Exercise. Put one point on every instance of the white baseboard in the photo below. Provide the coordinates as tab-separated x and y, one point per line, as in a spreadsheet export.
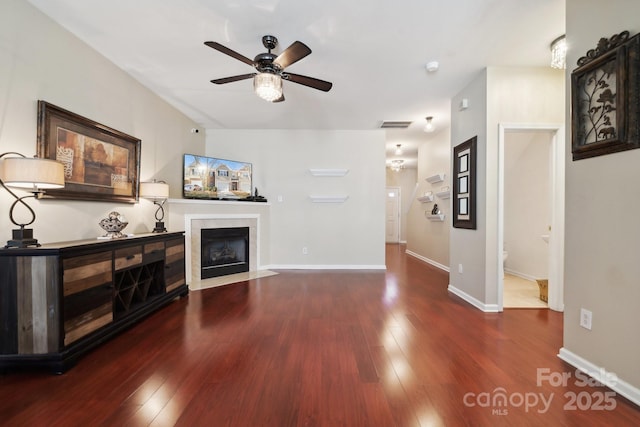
487	308
323	267
521	275
427	260
601	375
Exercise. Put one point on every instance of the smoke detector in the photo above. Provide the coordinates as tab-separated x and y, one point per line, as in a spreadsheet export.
432	66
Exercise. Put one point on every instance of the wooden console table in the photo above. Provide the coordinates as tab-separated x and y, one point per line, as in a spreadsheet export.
60	300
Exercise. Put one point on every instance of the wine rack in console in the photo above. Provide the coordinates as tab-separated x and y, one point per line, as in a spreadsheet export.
60	300
138	277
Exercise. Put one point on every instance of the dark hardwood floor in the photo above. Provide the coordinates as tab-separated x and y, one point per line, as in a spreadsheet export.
322	348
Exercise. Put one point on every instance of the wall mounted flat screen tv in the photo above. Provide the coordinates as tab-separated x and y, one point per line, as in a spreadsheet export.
216	179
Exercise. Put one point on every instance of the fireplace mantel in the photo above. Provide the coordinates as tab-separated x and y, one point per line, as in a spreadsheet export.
201	202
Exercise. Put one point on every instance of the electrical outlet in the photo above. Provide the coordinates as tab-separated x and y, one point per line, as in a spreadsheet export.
460	269
585	318
305	251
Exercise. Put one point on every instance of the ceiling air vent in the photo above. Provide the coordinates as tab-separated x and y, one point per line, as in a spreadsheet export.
390	124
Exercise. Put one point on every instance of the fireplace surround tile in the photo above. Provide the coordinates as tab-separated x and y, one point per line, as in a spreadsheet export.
195	223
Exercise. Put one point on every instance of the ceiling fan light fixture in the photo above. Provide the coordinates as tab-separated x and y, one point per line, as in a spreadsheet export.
268	86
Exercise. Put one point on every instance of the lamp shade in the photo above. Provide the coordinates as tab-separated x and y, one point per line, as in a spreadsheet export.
32	172
154	190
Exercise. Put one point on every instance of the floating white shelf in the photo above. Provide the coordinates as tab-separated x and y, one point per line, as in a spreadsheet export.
439	217
444	194
329	172
439	177
328	199
426	198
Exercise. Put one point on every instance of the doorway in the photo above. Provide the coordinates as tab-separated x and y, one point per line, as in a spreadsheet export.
392	213
527	210
555	257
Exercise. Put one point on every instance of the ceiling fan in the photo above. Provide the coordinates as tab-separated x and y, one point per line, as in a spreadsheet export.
267	81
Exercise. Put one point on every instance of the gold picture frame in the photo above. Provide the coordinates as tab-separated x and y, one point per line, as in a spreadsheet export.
101	163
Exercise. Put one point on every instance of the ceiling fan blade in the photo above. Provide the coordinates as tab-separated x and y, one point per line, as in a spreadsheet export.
279	99
308	81
231	53
232	78
293	53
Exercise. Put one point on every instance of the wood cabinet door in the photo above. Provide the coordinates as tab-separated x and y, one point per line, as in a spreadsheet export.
87	294
29	300
174	264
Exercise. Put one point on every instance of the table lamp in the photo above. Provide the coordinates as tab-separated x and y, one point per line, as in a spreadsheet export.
31	174
158	191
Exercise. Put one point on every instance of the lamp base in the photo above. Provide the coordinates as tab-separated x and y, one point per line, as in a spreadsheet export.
159	227
22	238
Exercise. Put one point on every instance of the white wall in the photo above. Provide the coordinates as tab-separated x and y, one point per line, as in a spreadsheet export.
40	60
429	240
405	179
527	207
602	244
515	95
497	96
467	247
345	235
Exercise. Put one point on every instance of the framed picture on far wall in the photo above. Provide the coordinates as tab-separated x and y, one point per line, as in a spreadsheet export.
464	184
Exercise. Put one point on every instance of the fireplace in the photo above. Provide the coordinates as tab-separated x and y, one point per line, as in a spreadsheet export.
194	223
224	251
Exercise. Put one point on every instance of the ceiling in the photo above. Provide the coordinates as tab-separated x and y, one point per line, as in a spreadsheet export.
374	52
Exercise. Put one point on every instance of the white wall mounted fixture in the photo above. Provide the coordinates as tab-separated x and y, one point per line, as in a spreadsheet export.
439	177
328	199
428	197
328	172
444	194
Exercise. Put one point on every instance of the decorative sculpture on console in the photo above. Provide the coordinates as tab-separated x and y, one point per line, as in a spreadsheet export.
113	225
